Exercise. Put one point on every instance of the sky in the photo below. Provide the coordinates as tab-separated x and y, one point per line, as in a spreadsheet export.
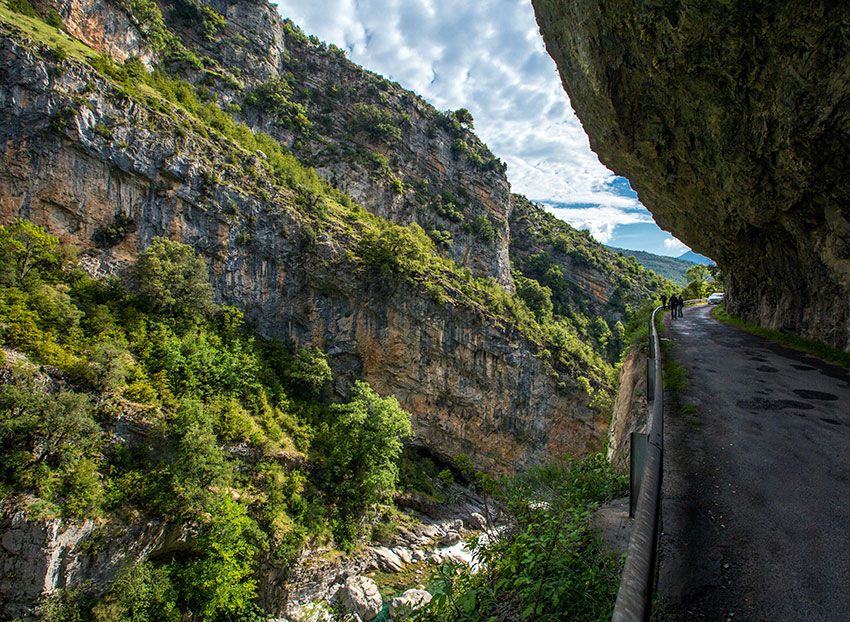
488	56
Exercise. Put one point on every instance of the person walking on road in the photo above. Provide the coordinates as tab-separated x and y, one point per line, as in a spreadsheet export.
680	304
674	301
663	301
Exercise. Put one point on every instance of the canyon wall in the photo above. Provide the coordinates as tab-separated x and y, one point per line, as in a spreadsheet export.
473	384
731	121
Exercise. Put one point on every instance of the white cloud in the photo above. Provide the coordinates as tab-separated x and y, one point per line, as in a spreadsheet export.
675	246
600	220
487	57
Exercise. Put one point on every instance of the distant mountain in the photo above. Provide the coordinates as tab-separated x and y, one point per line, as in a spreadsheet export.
693	257
669	267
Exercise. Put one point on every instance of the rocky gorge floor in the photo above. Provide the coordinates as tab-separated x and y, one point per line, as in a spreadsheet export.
389	578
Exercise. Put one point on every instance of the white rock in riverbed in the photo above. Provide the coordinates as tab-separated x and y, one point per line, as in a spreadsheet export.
360	595
407	603
387	559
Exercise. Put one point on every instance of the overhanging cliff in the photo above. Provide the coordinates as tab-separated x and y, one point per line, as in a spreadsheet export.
731	120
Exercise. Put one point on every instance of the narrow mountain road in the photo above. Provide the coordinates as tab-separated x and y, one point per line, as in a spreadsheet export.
756	492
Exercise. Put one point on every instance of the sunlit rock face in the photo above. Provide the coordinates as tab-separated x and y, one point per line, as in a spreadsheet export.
731	120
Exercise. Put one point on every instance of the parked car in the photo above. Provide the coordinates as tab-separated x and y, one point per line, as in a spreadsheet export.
715	298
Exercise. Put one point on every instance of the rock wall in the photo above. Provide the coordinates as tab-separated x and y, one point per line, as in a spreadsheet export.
630	409
38	557
730	119
473	384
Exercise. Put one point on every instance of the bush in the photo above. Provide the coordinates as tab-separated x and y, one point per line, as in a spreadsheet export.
548	564
377	123
274	98
171	279
538	297
140	593
27	254
308	372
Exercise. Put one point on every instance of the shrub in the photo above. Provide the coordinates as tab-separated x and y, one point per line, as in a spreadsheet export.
377	123
308	372
548	564
274	98
538	297
170	278
27	253
140	593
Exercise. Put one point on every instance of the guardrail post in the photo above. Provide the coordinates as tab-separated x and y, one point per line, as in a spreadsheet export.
651	339
650	380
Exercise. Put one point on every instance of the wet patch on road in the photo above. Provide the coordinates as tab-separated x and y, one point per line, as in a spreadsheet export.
804	367
830	421
762	404
807	394
758	359
767	368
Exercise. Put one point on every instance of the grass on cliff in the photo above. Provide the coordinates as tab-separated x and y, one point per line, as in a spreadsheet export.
24	17
790	340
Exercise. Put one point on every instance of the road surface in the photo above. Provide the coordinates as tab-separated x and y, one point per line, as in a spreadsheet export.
756	490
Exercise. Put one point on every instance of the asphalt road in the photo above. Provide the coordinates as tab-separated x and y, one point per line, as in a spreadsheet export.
756	490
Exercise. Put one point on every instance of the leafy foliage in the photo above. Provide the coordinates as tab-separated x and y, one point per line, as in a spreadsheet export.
358	454
548	565
191	374
274	98
172	280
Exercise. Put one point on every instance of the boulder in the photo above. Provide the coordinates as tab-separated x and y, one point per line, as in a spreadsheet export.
360	596
387	559
407	603
476	521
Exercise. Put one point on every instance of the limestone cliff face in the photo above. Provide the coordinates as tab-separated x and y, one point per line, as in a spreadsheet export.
731	121
473	384
385	146
39	557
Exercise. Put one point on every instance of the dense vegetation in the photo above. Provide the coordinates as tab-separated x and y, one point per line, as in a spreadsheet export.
199	386
548	565
550	256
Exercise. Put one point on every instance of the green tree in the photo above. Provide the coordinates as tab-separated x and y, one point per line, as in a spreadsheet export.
27	252
698	277
140	593
464	117
359	451
308	372
43	439
171	279
538	297
221	583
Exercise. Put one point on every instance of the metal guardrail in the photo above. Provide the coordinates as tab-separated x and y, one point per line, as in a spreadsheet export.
634	599
635	595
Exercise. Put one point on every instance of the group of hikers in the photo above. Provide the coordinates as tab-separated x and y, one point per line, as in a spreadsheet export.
677	303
